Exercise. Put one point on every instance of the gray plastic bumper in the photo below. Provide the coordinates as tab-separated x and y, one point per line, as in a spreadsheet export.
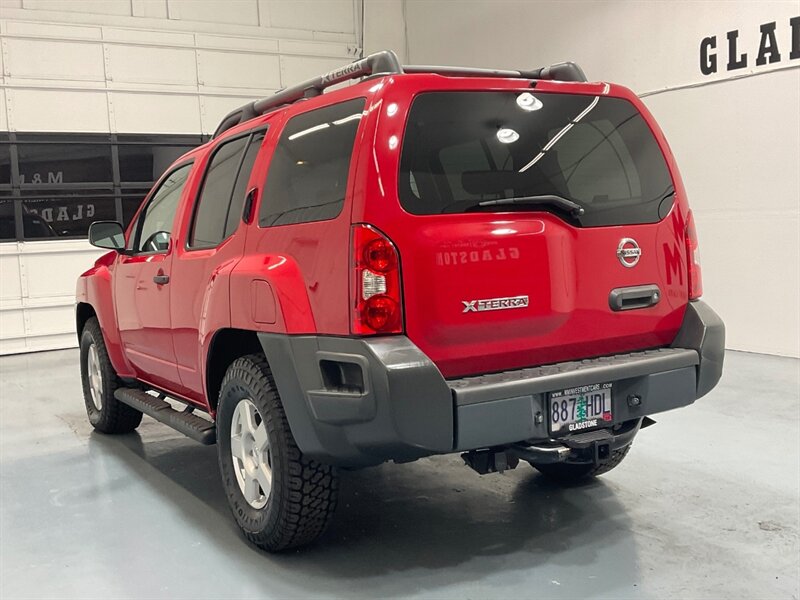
402	409
362	401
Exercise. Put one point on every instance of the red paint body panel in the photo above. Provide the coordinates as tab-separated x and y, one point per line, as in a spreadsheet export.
94	288
162	334
199	291
567	272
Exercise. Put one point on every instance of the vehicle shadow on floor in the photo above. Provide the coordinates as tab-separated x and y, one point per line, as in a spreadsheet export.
431	515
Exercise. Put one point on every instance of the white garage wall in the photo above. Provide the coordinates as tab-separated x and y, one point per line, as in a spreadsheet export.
139	66
737	141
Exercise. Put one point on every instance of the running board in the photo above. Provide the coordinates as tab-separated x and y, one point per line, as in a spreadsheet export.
188	424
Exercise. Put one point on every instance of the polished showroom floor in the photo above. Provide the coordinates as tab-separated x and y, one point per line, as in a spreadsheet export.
705	506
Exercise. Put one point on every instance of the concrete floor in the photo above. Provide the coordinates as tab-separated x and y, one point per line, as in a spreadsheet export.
706	505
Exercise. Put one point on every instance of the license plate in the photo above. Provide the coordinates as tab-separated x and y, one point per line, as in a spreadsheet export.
580	408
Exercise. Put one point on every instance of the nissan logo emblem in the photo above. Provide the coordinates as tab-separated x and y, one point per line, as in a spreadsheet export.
628	252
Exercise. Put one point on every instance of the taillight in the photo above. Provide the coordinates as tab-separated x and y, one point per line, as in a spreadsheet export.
376	302
693	260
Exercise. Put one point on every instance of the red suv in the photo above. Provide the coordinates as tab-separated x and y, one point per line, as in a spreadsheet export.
431	260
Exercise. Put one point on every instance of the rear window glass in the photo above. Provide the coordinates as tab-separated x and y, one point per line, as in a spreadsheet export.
307	177
462	149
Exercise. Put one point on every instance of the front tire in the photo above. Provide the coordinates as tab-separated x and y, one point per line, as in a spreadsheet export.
279	498
106	413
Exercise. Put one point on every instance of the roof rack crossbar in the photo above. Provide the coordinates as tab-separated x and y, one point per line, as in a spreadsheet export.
383	63
380	63
566	71
461	71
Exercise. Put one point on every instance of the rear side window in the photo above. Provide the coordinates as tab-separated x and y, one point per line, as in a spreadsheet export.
219	204
307	178
462	149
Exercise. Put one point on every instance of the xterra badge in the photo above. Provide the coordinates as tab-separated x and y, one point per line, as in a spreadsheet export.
495	304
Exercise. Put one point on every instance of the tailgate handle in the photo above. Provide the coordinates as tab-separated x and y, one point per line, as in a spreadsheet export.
630	298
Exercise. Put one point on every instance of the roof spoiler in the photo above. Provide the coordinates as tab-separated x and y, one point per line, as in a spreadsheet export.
382	63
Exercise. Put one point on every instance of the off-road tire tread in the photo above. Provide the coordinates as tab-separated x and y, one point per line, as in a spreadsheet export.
116	417
570	473
308	500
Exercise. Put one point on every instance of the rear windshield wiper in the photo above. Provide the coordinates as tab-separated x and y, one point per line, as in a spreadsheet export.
575	209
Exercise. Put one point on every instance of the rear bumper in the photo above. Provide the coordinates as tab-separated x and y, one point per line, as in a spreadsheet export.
362	401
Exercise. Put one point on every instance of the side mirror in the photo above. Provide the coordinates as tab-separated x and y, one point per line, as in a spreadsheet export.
108	235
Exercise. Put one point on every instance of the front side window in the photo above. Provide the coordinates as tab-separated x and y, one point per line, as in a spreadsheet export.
155	221
490	151
307	177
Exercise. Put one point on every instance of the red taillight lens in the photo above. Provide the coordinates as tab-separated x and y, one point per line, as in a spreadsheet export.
693	260
380	313
376	300
380	255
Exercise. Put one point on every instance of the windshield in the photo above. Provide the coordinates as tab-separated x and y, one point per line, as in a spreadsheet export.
464	148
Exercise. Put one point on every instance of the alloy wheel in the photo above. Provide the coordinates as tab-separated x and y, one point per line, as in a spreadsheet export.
95	377
252	460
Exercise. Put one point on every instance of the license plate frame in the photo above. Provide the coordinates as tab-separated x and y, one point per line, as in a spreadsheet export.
586	407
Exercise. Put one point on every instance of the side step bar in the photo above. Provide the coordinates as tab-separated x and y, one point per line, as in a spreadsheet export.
188	424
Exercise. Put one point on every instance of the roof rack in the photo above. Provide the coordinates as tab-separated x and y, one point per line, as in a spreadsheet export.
382	63
566	71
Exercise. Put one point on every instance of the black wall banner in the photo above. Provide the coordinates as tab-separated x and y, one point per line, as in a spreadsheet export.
769	51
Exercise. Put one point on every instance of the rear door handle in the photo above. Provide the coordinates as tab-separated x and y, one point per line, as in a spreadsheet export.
161	279
249	202
630	298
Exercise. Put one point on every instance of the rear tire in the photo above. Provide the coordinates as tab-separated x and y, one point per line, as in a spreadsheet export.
106	413
279	498
575	473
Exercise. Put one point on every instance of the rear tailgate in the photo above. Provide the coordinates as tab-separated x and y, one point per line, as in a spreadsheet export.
578	207
488	293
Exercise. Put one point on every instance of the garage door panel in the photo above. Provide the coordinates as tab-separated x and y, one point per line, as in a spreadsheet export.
50	320
46	59
155	113
241	12
141	64
51	275
11	289
105	7
12	324
332	15
57	110
239	70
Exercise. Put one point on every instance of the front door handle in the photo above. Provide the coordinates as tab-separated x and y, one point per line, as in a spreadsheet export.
161	279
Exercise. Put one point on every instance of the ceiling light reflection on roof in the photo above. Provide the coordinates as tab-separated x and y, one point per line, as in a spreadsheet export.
529	102
507	136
